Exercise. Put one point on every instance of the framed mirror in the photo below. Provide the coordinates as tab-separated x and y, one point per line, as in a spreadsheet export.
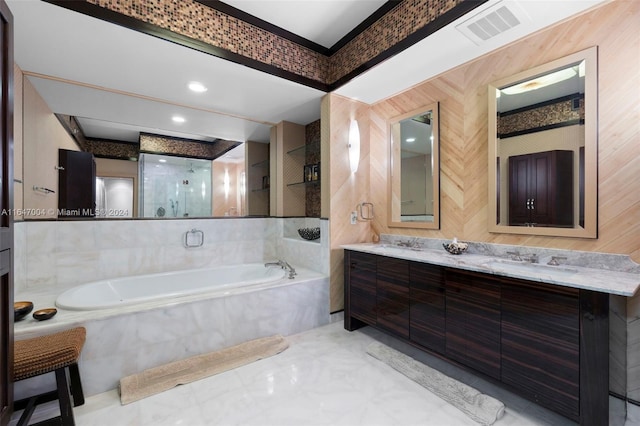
414	169
543	149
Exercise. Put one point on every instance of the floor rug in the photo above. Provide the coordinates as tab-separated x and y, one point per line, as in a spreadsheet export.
480	407
159	379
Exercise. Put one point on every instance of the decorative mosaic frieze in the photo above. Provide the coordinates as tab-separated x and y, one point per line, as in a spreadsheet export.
273	53
112	149
156	144
202	23
545	116
403	20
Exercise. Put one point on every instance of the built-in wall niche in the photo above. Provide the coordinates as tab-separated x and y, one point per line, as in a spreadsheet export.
543	149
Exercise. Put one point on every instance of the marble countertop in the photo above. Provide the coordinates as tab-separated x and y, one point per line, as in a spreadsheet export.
605	281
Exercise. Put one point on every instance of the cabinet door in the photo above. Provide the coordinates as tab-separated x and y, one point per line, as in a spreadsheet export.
473	321
393	296
540	344
541	189
427	314
519	198
76	184
361	284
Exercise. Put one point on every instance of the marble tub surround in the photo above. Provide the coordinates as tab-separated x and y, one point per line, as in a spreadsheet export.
291	226
309	254
57	255
128	340
580	269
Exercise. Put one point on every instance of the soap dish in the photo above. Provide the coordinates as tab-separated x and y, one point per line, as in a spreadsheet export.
21	309
45	314
455	247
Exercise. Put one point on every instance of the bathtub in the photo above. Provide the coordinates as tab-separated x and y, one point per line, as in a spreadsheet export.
126	291
136	335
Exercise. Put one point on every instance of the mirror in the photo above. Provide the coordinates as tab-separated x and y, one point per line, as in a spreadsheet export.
414	172
543	149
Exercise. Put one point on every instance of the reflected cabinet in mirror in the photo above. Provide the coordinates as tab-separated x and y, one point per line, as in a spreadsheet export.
543	149
414	184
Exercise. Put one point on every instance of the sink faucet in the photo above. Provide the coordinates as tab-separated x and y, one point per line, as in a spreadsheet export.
410	243
515	255
554	260
532	258
284	265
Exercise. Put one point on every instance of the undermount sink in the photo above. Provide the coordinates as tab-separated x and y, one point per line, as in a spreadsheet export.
531	268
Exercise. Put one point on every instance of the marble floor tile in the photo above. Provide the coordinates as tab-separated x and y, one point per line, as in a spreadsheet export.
325	377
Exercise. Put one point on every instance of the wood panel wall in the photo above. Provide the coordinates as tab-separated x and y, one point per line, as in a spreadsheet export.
463	101
345	190
462	93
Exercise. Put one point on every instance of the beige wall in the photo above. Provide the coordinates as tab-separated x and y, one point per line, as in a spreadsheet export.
42	136
344	190
462	94
224	204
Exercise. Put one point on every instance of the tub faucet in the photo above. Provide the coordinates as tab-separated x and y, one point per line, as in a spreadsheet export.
284	265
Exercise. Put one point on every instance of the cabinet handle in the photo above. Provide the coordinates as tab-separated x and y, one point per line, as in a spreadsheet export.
528	203
533	200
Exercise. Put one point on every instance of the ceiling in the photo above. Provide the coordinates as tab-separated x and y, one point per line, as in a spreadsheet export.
120	82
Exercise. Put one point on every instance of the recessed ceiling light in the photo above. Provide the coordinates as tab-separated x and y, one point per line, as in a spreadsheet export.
410	140
162	160
197	87
178	119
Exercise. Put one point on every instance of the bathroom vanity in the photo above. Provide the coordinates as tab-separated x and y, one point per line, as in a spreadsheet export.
542	332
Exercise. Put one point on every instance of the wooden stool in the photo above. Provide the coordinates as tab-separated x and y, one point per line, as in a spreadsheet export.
57	353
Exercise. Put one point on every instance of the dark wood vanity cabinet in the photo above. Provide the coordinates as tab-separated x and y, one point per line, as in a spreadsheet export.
473	321
541	189
547	342
427	313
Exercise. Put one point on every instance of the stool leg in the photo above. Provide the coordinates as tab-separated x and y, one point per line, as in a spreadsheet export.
76	385
28	411
64	398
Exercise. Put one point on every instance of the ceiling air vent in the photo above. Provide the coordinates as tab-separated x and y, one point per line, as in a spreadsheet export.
492	21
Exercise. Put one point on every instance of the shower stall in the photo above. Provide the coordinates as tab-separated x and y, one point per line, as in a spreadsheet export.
174	187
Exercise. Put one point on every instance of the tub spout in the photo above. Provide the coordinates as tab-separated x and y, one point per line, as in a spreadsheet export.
284	265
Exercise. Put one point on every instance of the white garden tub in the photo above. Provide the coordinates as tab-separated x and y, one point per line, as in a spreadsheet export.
113	293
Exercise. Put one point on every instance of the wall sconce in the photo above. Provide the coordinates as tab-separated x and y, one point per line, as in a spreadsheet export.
354	146
226	183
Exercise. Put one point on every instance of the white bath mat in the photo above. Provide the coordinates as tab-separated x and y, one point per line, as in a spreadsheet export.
159	379
480	407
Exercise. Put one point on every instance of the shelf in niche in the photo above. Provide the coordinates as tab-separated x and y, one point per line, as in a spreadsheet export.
260	190
312	182
263	163
301	150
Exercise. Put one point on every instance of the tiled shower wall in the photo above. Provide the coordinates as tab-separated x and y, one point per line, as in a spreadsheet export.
57	255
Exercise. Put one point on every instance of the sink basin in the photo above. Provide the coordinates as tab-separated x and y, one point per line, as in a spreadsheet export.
529	268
